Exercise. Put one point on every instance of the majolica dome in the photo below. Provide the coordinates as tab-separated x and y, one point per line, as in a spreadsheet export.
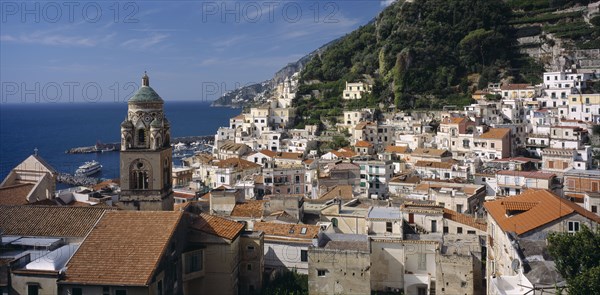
145	94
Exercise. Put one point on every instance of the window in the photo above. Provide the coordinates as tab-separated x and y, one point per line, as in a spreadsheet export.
105	291
250	248
249	266
139	175
297	178
76	291
445	229
573	226
471	232
33	289
193	262
222	179
322	272
595	209
121	292
492	145
459	208
334	221
304	255
459	230
141	136
433	226
422	261
159	287
388	227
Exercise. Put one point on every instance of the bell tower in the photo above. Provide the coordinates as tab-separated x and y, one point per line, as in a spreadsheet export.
146	152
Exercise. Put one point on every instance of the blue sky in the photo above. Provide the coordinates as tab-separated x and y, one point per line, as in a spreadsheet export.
55	51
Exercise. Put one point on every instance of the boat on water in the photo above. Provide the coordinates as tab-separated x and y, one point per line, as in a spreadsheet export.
89	168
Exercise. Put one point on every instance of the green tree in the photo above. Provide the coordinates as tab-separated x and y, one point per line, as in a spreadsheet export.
577	259
287	283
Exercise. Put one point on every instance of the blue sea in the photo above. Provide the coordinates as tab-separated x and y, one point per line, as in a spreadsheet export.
55	128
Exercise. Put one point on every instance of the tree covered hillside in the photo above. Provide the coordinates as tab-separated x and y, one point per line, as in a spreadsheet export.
418	54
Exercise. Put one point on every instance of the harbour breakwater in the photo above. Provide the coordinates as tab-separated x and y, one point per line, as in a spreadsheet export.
111	147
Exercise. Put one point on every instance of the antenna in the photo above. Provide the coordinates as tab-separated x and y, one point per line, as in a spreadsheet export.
35	151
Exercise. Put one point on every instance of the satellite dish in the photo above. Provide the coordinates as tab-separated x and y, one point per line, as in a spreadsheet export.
515	265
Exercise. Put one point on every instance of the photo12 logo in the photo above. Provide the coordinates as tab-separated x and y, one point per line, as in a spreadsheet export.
269	11
213	90
71	11
71	91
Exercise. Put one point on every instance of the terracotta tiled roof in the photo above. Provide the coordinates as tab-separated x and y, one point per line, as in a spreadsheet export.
396	149
363	143
540	208
362	125
15	194
231	146
515	86
281	216
454	120
519	206
124	248
428	152
183	195
180	206
268	153
218	226
308	161
406	179
49	221
344	154
344	166
239	117
289	156
342	192
438	165
527	174
495	133
284	230
464	219
252	208
236	163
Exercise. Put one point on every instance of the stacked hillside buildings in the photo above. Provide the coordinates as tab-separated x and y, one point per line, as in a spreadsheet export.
433	202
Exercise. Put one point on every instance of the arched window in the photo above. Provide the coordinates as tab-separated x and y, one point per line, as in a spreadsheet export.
139	175
142	136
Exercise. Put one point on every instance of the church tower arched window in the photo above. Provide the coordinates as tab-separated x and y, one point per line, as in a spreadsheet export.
142	136
139	175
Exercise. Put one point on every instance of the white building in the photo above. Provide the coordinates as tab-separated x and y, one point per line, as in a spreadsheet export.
355	90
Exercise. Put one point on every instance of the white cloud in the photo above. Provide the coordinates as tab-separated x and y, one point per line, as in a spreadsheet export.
44	38
145	43
208	62
229	41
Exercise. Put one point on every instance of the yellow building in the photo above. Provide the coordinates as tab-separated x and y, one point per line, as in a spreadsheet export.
584	107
